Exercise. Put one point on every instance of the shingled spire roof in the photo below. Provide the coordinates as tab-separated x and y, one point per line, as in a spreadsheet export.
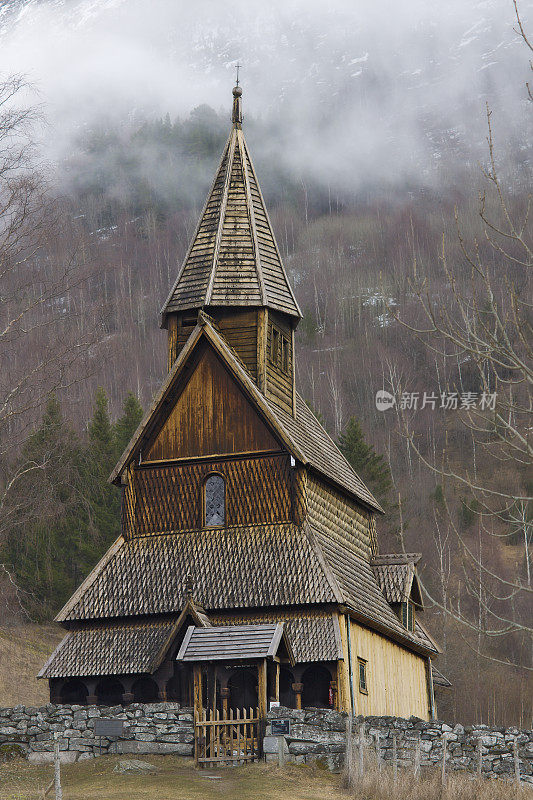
233	259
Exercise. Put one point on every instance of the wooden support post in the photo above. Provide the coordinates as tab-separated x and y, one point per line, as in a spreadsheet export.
377	745
394	758
57	769
516	762
361	749
197	706
281	751
479	757
333	693
262	688
349	748
224	693
444	748
416	761
276	682
298	689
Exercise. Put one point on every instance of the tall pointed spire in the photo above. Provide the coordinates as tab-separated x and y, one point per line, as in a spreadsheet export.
233	259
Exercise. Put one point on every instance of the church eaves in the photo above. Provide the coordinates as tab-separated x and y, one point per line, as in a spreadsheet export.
233	259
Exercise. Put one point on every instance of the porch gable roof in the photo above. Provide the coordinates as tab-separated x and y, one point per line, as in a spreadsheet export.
234	643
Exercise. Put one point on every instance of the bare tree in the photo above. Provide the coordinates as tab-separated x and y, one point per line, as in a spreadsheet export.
484	325
41	269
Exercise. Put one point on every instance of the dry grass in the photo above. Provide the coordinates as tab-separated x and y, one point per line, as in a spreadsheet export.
376	785
23	651
175	779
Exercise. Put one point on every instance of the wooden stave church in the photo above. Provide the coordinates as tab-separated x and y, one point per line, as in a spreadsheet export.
241	520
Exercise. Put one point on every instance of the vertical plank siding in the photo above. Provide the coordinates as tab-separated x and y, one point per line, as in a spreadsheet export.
396	677
279	384
211	416
240	330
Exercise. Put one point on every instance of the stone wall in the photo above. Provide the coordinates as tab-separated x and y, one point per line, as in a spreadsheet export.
317	735
148	728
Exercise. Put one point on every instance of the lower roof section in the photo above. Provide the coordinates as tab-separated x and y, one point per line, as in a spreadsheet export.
252	566
132	646
313	634
278	565
120	648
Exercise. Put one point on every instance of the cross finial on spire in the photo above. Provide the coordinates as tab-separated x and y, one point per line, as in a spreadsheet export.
236	116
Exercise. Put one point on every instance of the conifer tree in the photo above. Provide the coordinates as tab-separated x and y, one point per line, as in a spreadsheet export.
104	498
127	424
48	505
369	465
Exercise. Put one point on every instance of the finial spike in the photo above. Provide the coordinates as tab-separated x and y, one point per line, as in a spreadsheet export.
236	116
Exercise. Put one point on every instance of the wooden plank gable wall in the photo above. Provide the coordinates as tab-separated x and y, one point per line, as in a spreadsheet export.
212	416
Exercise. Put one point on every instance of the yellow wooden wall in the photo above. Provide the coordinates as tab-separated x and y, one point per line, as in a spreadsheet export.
396	677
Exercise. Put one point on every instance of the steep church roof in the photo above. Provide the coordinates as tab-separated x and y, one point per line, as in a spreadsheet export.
233	259
279	565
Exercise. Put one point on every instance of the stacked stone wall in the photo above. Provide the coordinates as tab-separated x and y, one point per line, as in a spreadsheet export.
315	735
148	728
318	735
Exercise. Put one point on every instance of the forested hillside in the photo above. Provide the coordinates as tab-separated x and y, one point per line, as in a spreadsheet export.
90	355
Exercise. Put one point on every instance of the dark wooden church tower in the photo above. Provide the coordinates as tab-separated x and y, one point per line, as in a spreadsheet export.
248	568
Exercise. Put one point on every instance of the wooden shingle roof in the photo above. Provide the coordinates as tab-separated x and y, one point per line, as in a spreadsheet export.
232	642
257	565
438	678
360	590
234	568
314	635
233	259
113	649
396	576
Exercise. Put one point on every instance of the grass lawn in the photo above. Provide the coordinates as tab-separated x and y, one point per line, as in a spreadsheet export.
23	651
175	779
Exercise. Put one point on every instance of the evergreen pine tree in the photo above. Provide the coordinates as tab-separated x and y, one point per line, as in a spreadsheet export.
47	505
369	465
127	424
101	456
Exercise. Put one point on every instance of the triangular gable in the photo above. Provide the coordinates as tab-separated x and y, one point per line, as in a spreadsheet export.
397	578
210	415
183	367
302	436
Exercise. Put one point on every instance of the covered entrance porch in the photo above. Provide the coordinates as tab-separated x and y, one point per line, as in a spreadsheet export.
236	669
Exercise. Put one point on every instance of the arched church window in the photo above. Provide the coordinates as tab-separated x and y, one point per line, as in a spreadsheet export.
214	501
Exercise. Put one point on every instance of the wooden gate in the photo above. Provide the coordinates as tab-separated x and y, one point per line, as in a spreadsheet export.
234	739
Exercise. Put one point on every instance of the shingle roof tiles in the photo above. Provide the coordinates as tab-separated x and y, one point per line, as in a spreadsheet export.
111	649
257	565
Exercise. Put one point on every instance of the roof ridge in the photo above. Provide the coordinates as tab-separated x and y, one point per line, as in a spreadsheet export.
251	214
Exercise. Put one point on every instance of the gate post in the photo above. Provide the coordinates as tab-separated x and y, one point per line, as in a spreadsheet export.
197	708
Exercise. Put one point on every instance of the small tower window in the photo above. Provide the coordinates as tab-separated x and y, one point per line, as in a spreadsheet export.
279	350
361	665
214	501
407	615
